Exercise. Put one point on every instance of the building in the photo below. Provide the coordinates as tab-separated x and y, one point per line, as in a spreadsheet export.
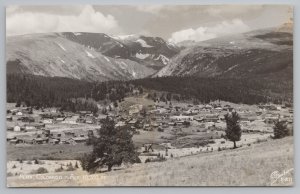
40	140
211	118
182	118
71	120
19	113
17	128
90	120
47	121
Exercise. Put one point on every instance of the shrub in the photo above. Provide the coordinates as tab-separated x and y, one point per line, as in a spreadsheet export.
9	174
158	159
160	129
59	169
280	130
40	170
20	160
70	168
14	166
147	160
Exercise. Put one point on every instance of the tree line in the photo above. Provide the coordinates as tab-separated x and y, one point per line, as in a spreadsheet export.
236	90
39	91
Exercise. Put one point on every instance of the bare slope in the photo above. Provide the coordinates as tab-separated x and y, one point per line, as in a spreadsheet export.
261	52
53	55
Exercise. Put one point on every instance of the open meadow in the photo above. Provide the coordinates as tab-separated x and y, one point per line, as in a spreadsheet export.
246	166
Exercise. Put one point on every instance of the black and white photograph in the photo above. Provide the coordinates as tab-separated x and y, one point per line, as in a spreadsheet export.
149	95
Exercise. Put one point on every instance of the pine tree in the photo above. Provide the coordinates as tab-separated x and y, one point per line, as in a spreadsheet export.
233	130
280	130
112	147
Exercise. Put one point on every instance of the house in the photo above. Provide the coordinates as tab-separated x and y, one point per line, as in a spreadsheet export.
211	118
85	113
75	140
208	107
219	109
19	113
30	127
271	120
135	109
60	119
17	128
90	120
146	127
80	120
56	135
248	117
70	133
120	124
154	125
34	126
171	123
132	122
165	125
182	118
53	141
198	118
71	120
47	121
9	118
40	140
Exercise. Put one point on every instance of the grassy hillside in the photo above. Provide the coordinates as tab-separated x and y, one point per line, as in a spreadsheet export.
52	55
246	166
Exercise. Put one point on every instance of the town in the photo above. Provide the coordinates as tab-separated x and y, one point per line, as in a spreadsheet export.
171	129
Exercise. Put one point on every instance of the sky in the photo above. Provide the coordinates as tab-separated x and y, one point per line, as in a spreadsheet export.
174	23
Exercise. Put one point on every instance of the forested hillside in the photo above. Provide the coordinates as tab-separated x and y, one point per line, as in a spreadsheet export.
46	92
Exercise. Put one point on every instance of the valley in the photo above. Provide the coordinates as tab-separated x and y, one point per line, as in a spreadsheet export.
217	112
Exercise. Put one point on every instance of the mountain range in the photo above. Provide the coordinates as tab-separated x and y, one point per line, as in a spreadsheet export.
100	57
88	56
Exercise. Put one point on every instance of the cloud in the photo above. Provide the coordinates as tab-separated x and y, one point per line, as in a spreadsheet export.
226	10
88	20
205	33
153	9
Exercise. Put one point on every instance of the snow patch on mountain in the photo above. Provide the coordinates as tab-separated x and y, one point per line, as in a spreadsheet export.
77	33
106	59
133	73
143	43
123	37
231	68
61	46
123	65
141	55
89	54
163	58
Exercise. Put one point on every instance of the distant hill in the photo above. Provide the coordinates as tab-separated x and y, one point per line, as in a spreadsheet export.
267	52
153	52
55	55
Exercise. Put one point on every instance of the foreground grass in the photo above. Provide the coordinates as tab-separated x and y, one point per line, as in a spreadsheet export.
247	166
47	151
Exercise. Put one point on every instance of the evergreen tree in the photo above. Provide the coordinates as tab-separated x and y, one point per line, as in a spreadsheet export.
280	130
112	147
233	130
